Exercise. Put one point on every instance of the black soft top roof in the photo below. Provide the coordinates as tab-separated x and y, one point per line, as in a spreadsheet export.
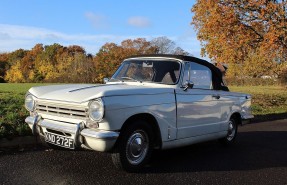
216	73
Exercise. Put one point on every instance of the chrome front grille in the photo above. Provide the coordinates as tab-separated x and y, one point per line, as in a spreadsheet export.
62	110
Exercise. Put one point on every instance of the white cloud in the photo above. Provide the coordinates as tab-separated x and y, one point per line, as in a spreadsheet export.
13	37
141	22
98	21
4	36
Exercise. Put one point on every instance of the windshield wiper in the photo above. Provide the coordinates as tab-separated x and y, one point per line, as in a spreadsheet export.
114	79
128	78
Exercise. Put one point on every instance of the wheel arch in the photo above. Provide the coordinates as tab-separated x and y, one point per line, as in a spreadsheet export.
151	120
237	116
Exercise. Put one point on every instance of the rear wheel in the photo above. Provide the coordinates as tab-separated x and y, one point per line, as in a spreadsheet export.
134	147
231	132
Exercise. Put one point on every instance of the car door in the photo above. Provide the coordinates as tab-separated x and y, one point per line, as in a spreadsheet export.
198	110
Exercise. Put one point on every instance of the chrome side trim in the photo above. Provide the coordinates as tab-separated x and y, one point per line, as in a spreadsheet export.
193	140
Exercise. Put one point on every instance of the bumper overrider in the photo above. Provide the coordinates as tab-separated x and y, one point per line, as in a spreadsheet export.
81	137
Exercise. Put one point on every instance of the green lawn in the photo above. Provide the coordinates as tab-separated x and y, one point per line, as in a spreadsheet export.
260	89
19	88
266	100
12	110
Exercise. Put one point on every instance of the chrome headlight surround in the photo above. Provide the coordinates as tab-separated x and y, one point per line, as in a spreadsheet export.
96	110
30	102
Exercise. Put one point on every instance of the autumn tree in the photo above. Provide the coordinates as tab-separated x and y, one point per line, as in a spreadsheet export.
231	31
16	55
49	63
23	67
14	72
57	63
65	64
110	56
3	65
76	68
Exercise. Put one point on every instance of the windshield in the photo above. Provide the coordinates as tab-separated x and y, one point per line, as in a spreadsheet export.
156	71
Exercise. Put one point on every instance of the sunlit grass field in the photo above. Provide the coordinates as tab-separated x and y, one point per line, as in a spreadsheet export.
19	88
12	110
260	89
266	100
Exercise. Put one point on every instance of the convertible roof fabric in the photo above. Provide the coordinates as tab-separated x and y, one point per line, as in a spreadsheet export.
216	73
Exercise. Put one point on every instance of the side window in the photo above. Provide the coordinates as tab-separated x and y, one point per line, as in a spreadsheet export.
201	76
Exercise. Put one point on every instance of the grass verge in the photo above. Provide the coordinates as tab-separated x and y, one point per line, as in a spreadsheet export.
266	100
12	110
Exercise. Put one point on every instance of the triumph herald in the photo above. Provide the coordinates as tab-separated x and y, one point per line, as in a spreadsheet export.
151	102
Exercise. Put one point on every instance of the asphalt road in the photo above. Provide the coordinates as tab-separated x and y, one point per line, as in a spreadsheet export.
258	157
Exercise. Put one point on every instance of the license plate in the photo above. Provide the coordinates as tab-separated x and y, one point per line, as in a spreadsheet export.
59	140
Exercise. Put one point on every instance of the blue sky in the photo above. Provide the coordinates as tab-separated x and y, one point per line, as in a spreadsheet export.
93	23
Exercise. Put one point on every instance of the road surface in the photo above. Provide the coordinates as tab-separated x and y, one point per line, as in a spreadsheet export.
258	157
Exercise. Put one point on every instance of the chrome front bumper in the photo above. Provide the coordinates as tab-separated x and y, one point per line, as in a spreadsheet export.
98	140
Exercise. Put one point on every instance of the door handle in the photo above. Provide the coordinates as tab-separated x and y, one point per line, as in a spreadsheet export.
216	96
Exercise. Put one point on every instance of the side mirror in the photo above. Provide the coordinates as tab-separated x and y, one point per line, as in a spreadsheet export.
188	84
106	80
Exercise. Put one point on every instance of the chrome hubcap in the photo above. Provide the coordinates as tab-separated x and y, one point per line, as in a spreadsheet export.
137	147
231	130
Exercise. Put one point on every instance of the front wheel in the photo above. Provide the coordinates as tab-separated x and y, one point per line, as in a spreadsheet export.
134	147
231	132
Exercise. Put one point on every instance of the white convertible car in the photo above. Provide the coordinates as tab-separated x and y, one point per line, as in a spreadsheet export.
151	102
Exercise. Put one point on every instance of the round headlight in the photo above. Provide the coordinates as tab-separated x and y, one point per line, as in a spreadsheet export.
29	103
96	110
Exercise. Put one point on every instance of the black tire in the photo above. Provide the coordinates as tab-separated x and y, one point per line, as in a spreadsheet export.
134	147
231	132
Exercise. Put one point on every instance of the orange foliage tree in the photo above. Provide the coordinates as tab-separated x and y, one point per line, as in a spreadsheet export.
110	56
57	63
231	31
50	63
3	65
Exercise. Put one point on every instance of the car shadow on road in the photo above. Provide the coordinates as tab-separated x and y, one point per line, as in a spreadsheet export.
253	150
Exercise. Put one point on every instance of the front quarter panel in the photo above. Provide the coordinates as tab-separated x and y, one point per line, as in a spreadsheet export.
161	106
